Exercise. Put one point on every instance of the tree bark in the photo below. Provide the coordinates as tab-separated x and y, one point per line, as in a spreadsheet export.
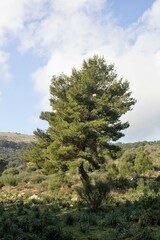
84	175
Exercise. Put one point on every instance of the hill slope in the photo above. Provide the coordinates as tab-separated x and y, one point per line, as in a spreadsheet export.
16	137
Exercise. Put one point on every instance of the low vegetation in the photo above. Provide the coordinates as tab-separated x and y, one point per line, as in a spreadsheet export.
123	204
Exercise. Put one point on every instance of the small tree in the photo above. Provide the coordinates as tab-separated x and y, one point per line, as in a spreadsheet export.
84	120
126	168
142	162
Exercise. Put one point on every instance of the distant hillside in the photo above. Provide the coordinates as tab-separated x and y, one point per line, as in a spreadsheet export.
16	137
12	145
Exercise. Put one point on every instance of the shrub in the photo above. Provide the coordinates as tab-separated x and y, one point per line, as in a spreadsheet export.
144	233
31	167
9	179
37	178
55	181
9	176
112	171
55	232
125	168
142	162
23	177
12	171
93	194
69	219
129	156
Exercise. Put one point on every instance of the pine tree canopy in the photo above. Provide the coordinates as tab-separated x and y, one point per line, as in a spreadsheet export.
85	117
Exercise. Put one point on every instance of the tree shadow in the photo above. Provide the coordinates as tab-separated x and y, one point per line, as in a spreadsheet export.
48	220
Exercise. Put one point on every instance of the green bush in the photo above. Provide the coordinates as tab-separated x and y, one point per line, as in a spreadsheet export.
12	171
112	171
69	219
126	168
94	194
144	233
55	181
23	177
9	176
31	167
129	156
55	232
142	162
140	185
9	179
37	178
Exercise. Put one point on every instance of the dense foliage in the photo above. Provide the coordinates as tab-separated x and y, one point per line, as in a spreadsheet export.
84	120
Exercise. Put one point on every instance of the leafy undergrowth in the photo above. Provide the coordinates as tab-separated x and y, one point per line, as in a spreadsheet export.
35	206
134	215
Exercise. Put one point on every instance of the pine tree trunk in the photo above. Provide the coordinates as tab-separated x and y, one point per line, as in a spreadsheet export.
84	175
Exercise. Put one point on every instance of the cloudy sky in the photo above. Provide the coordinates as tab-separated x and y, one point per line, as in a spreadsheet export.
41	38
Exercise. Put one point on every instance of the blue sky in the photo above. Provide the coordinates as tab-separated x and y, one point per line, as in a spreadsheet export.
127	12
58	35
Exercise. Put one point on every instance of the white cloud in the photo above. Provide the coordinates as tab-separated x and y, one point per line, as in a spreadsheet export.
140	64
14	19
77	5
15	15
65	36
66	32
68	35
152	17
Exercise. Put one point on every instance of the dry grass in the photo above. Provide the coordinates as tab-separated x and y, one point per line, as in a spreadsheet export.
16	137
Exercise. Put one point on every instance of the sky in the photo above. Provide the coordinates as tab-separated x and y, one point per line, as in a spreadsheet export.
42	38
